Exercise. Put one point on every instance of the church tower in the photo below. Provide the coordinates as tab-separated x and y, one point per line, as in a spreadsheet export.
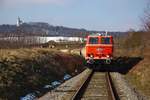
19	22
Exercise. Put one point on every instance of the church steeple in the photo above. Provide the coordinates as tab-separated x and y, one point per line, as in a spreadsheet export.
19	21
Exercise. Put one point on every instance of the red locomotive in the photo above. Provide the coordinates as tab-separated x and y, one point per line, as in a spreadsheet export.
99	48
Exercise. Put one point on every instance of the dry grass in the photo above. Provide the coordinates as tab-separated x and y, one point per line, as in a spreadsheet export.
139	76
138	45
23	70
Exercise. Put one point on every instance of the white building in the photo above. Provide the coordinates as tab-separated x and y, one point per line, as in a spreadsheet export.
61	39
39	39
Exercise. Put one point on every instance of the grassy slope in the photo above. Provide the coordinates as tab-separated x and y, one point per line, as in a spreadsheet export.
22	70
138	45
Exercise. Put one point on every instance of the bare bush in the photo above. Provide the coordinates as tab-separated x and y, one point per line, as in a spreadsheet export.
146	19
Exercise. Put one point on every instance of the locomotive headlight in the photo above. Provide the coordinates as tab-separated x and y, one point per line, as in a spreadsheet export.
108	56
91	56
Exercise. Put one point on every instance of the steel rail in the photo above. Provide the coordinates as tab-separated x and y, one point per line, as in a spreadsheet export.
82	88
111	90
112	94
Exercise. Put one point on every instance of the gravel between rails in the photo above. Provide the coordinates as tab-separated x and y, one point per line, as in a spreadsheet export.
123	89
97	88
67	89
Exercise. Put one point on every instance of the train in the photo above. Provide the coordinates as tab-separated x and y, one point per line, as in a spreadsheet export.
99	49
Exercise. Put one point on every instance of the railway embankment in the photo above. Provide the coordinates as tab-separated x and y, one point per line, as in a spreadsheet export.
135	46
96	88
67	90
138	77
124	89
24	71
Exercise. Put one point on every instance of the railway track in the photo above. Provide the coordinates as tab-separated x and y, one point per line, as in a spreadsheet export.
92	85
97	86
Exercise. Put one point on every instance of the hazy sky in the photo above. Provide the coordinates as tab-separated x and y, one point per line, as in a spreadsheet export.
112	15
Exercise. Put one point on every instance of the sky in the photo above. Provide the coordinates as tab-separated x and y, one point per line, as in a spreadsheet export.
108	15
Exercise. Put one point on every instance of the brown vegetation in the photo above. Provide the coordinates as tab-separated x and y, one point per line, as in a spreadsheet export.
23	70
64	45
137	44
146	18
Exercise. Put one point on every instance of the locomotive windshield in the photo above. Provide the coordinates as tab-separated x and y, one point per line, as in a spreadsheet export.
93	40
105	40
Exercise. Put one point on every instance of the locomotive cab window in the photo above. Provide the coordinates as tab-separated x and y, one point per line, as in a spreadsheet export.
93	40
105	40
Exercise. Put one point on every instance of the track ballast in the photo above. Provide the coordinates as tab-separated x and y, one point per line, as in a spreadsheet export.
97	86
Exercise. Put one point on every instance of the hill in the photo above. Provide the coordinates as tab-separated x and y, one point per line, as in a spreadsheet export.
44	29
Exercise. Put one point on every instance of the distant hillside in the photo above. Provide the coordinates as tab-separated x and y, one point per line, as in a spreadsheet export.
44	29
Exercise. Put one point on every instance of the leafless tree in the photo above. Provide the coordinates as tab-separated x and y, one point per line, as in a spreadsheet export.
146	18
